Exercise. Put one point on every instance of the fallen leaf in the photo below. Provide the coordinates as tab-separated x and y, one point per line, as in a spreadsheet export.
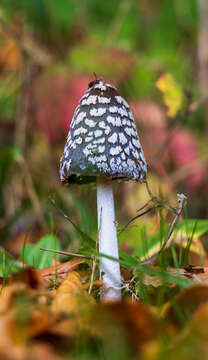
71	297
130	322
191	342
58	272
182	307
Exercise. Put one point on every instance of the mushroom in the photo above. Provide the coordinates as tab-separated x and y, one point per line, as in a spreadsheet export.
103	145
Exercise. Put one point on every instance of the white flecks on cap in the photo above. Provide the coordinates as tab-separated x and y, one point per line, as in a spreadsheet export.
101	149
102	124
73	145
80	117
86	151
100	86
88	138
89	100
90	123
104	100
68	164
122	138
66	153
123	156
130	115
118	160
96	159
135	154
111	120
122	101
113	109
98	133
92	146
130	163
97	112
117	121
127	150
112	164
131	147
115	150
130	131
102	158
136	143
103	167
79	131
107	130
78	140
99	141
122	111
113	138
111	86
73	122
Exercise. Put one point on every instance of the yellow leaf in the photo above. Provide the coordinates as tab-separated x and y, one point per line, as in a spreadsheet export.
172	93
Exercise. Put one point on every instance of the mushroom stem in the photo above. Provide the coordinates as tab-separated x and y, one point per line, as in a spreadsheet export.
108	244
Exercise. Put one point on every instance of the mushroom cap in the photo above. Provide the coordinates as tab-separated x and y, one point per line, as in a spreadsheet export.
103	139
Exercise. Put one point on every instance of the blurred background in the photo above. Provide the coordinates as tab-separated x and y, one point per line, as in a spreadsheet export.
155	52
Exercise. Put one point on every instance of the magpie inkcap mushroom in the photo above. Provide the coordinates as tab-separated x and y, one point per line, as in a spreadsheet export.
103	139
103	145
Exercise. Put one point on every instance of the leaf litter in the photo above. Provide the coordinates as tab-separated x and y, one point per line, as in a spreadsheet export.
50	309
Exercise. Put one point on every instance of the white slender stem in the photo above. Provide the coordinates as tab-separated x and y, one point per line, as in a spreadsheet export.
108	244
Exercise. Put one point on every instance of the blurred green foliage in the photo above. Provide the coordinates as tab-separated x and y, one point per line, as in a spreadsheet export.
30	254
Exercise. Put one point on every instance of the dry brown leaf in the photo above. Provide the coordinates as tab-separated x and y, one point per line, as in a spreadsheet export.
38	321
71	295
38	350
58	272
197	274
98	283
133	322
21	315
9	294
185	304
191	342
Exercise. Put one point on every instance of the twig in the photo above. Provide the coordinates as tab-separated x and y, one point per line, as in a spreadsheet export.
136	217
93	270
94	258
181	200
67	253
158	204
